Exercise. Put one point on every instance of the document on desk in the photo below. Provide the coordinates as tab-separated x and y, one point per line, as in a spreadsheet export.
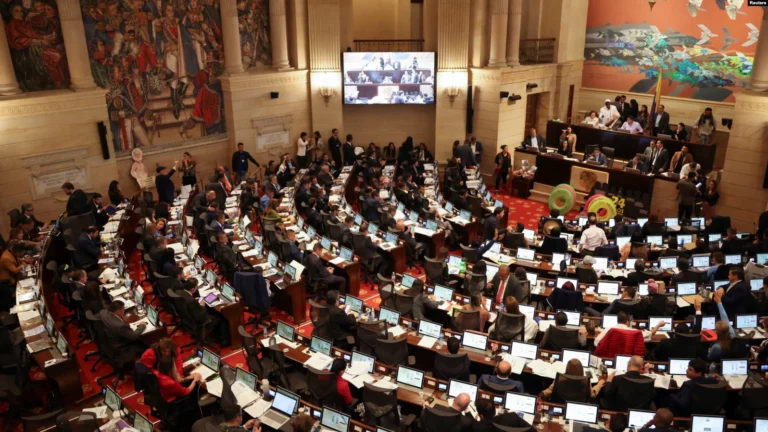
736	381
337	261
518	364
424	231
427	342
99	412
681	302
680	380
385	383
258	409
28	315
27	283
660	381
249	253
118	292
176	247
34	331
279	340
318	361
106	260
359	380
545	324
396	331
215	387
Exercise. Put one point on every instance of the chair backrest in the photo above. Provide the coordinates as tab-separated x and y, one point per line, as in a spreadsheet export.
469	253
609	152
404	303
392	352
434	270
366	337
514	240
452	366
319	315
334	231
474	283
251	352
40	422
436	420
686	345
634	393
386	291
467	320
510	327
560	338
584	274
152	396
322	386
499	389
379	402
709	398
85	422
571	388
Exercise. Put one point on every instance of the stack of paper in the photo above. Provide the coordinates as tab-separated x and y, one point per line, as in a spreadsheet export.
427	342
215	387
250	253
258	409
546	369
28	315
34	331
660	381
680	380
396	331
385	384
735	381
518	364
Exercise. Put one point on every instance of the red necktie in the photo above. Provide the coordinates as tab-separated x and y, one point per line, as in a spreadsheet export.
500	294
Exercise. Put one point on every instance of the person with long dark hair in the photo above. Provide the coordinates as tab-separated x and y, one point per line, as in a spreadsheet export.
188	170
405	150
116	196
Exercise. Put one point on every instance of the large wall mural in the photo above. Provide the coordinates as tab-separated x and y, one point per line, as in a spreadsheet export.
159	61
704	48
37	47
255	41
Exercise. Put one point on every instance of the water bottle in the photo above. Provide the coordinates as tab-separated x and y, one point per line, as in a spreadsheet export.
463	268
265	331
712	369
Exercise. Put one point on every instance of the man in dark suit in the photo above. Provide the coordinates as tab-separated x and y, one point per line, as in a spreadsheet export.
487	412
503	371
660	121
460	406
77	203
226	258
89	248
349	151
290	237
214	322
460	202
373	204
686	275
658	157
346	233
325	179
334	145
735	294
504	285
477	149
534	141
637	164
390	221
464	152
686	196
100	215
318	270
613	396
119	334
340	324
273	185
202	204
598	157
165	188
313	217
411	245
680	402
638	276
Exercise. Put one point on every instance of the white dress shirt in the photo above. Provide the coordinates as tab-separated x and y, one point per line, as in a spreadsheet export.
301	147
593	237
658	119
686	169
607	115
534	141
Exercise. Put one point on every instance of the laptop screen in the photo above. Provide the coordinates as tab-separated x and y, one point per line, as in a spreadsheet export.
756	284
369	361
311	231
321	346
456	388
411	377
686	288
372	228
527	310
443	293
642	289
199	263
653	321
407	280
762	258
562	280
390	316
678	366
584	413
228	292
529	234
465	214
334	420
210	277
684	239
601	263
246	378
142	423
532	278
285	331
714	237
517	402
474	340
622	363
701	261
558	257
708	322
608	288
211	360
430	329
358	219
630	264
735	367
112	399
746	321
670	222
272	259
574	318
657	240
707	423
432	225
152	316
524	350
495	248
290	270
610	321
621	241
734	259
582	356
346	253
668	262
285	401
637	419
525	254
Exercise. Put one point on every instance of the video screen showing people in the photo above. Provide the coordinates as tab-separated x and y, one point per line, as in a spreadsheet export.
389	78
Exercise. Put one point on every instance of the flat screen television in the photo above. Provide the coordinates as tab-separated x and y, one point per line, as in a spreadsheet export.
389	78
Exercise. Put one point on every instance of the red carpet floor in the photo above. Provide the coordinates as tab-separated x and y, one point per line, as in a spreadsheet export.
521	210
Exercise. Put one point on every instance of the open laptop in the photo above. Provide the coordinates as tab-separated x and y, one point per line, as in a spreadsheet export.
283	406
389	316
522	404
142	424
686	288
733	259
334	421
320	352
429	329
209	365
244	388
654	320
668	263
559	257
701	423
562	280
582	356
761	425
407	281
580	415
456	388
621	363
525	255
476	342
678	366
443	294
700	261
574	318
524	350
285	331
410	379
610	321
639	418
735	367
360	358
609	290
746	322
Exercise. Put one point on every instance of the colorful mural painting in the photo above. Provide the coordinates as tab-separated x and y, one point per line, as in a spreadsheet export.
37	47
253	18
159	61
703	48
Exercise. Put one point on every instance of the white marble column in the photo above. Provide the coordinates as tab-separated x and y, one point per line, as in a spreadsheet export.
759	79
479	27
233	54
499	18
8	83
279	32
513	32
75	46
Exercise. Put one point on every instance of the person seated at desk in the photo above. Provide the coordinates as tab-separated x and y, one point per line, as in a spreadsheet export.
632	126
313	217
501	377
638	276
567	142
592	237
680	402
340	324
487	413
724	347
373	203
170	388
623	339
574	368
165	347
460	406
718	259
592	119
612	397
202	315
661	422
319	271
460	202
476	304
296	254
119	334
162	230
219	222
333	214
92	297
423	306
561	322
512	306
413	251
89	248
636	163
534	141
685	275
267	198
342	386
609	115
669	347
680	134
505	285
598	156
588	275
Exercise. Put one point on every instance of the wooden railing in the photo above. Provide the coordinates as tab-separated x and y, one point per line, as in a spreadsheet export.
389	45
536	51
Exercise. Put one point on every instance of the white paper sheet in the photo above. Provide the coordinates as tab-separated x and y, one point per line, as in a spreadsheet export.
427	342
34	331
258	409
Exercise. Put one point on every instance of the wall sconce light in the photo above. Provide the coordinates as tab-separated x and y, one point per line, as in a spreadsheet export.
530	86
651	3
327	93
514	97
452	92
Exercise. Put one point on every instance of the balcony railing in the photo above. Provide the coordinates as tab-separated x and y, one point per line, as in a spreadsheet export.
537	51
391	45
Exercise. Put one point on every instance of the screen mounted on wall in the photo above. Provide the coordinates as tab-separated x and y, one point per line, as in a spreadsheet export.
389	78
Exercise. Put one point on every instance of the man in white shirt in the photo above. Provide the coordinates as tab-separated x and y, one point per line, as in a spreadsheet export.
301	150
691	167
593	237
609	115
632	126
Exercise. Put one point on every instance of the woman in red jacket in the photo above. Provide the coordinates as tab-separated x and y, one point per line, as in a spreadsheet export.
163	347
168	378
342	386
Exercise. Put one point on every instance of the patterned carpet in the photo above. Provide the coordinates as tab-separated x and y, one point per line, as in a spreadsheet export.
521	210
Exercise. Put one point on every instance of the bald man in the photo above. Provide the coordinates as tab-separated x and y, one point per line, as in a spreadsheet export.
619	391
460	406
501	377
661	422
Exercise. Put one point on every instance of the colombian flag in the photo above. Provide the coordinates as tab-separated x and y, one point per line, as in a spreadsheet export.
657	96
